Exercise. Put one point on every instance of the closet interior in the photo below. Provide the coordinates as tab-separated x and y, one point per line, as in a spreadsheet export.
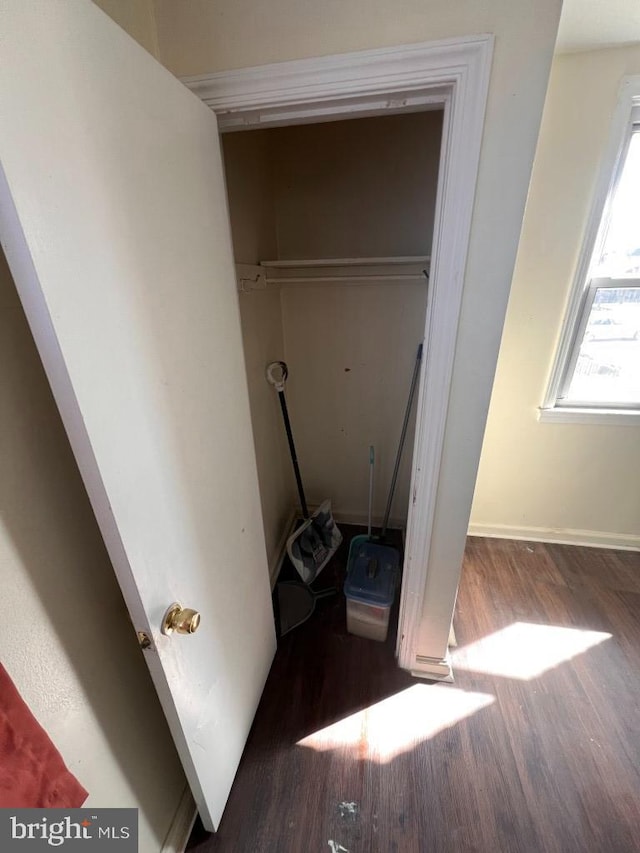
332	226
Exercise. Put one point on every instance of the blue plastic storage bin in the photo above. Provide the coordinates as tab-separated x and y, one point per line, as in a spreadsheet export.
370	587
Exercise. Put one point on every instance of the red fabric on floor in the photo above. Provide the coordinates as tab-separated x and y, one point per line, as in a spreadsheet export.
32	772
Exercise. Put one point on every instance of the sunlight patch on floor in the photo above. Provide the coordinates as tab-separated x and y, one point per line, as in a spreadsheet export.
525	650
397	724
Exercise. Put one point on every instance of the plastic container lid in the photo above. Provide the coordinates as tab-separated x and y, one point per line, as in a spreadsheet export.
372	573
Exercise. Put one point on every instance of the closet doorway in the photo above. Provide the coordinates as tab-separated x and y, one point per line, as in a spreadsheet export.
452	75
332	227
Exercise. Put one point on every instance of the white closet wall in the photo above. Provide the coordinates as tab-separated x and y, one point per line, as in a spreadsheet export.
348	189
253	224
358	188
351	351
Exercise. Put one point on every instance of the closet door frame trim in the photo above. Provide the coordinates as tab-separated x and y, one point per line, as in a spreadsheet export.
452	74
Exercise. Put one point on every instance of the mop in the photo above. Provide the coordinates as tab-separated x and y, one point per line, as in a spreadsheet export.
369	554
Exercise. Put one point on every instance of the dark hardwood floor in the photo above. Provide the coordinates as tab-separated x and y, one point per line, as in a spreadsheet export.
536	747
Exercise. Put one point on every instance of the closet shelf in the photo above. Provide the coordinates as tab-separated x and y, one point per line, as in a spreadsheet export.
346	262
346	270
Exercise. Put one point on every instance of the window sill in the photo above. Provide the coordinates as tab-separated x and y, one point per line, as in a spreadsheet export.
603	417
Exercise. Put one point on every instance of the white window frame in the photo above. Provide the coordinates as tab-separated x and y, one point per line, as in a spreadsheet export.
554	409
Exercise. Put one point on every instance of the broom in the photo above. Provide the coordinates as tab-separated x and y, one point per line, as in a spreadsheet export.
317	539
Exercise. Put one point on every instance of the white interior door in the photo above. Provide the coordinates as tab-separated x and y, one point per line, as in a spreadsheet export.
114	221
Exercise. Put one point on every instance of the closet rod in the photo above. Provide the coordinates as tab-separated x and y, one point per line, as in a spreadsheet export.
311	279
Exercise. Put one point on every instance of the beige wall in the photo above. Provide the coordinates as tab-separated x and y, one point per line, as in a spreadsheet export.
136	17
555	480
251	195
67	640
250	190
351	351
210	35
340	189
261	317
359	188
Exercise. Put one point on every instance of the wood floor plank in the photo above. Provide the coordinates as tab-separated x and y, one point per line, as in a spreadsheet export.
536	747
604	568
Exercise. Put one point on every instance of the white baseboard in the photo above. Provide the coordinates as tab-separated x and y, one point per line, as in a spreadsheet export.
562	536
435	669
181	825
279	552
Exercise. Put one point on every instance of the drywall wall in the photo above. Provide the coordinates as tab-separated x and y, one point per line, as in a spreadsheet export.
554	480
261	318
135	17
339	189
349	189
351	351
67	641
250	190
357	188
212	35
251	195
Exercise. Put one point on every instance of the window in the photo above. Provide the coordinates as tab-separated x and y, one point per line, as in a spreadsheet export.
597	371
603	369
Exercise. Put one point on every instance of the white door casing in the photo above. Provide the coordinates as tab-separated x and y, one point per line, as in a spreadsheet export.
454	74
114	221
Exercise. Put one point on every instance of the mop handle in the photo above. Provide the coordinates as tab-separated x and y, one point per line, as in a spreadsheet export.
371	460
414	382
278	382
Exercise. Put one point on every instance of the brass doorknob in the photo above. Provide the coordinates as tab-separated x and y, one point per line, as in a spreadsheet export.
180	619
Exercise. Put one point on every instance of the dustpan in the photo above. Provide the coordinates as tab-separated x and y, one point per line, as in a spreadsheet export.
315	541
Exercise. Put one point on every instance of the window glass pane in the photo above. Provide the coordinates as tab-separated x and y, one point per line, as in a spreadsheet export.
621	250
608	366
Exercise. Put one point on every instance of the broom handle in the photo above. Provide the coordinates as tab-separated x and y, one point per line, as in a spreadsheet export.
414	382
294	458
371	457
